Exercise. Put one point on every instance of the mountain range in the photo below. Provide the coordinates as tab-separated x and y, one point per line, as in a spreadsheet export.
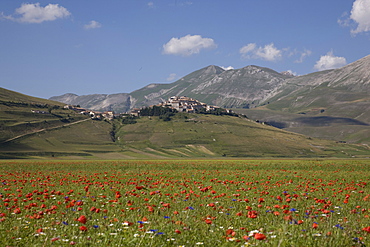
332	104
245	87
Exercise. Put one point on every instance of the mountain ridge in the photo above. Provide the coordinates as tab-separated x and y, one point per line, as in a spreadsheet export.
205	84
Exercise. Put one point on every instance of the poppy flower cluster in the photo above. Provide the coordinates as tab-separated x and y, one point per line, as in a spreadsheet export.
184	202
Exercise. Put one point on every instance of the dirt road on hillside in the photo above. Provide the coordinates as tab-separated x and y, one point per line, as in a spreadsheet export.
41	130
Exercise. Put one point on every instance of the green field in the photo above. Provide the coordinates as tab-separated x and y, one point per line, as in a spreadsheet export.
185	136
185	203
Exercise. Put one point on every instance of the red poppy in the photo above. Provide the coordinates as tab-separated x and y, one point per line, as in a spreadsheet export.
252	214
82	219
366	229
17	211
83	228
208	221
259	236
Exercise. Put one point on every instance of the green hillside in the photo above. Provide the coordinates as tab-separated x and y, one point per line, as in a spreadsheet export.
37	128
15	97
209	135
185	136
85	139
21	114
315	123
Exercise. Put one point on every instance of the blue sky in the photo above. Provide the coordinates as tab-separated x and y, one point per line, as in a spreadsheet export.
49	48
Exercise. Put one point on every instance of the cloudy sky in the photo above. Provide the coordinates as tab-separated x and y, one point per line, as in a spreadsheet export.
49	48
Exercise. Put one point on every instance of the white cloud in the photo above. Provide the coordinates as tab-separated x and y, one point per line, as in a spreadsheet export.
92	25
329	61
171	77
150	5
6	17
227	68
344	20
268	52
188	45
304	54
34	13
247	48
360	13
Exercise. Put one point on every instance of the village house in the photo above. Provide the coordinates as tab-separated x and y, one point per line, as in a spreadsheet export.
95	115
108	115
135	112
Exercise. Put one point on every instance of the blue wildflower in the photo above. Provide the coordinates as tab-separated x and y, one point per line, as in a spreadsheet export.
339	226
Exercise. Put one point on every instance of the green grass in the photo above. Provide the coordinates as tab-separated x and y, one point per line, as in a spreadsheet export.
17	118
225	135
185	136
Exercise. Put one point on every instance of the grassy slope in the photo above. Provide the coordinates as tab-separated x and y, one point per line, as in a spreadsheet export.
314	124
8	95
309	109
86	139
17	118
208	135
198	136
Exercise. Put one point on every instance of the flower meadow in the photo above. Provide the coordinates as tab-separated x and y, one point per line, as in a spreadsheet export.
185	203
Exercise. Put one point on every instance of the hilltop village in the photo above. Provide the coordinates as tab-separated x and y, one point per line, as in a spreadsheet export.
181	104
176	103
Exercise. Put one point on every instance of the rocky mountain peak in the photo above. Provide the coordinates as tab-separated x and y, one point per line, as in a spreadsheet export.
213	69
